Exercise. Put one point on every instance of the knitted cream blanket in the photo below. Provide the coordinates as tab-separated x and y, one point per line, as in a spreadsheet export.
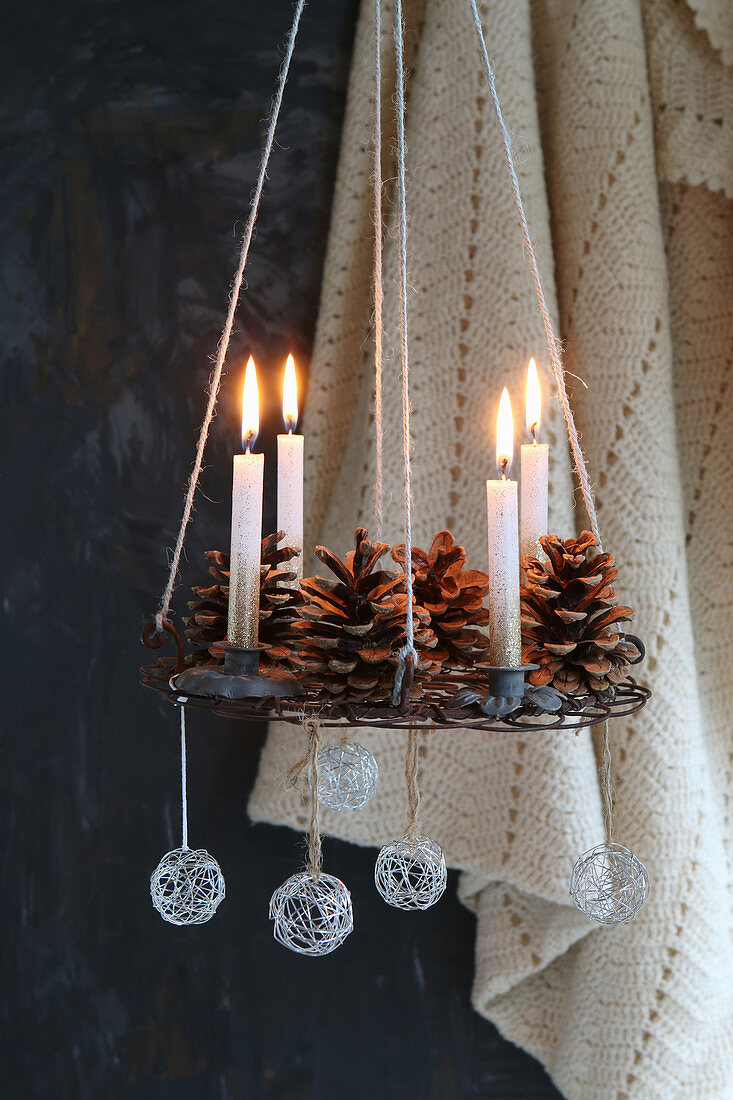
622	113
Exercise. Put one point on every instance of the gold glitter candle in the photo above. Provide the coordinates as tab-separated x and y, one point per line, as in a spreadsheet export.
290	477
505	638
534	478
244	576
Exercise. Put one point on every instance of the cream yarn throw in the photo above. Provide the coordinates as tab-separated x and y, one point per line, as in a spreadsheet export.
623	115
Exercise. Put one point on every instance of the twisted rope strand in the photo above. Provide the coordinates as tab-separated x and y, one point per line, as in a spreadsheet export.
607	785
378	287
223	346
553	343
408	650
312	726
413	787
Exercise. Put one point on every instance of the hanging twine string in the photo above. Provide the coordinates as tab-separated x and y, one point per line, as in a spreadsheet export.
223	346
607	786
408	650
308	765
378	287
553	343
413	788
184	795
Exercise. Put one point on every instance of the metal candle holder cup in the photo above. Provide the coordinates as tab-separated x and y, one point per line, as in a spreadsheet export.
240	679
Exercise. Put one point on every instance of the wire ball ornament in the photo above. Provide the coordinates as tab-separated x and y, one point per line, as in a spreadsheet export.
312	914
609	884
348	776
187	886
411	873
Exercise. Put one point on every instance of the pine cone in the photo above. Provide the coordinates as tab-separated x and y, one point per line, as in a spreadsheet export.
352	628
454	596
206	627
571	617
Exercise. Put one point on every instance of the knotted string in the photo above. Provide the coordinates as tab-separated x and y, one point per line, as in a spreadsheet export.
408	650
413	788
553	344
308	765
184	795
223	346
378	287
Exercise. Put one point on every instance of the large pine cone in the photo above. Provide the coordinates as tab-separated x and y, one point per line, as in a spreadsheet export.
571	619
453	596
206	627
352	628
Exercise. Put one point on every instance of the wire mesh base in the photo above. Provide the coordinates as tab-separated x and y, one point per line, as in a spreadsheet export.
435	708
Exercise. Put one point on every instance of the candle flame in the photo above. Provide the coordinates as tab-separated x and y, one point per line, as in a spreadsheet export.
290	396
250	407
533	408
504	435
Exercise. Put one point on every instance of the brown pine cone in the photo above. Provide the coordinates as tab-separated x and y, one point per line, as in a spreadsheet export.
352	628
453	596
206	627
571	619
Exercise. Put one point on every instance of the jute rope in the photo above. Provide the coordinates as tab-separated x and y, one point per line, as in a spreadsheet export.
223	346
413	787
378	286
408	650
308	766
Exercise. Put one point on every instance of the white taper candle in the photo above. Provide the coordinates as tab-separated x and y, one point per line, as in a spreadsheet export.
290	477
246	544
534	479
533	498
505	637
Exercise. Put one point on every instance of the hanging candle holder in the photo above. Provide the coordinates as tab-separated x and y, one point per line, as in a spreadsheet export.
407	648
187	886
311	912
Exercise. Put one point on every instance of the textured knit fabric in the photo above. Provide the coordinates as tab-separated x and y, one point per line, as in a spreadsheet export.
622	116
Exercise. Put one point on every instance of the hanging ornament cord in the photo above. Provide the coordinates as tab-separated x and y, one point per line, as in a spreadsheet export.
378	286
408	653
413	788
554	348
184	794
308	766
223	346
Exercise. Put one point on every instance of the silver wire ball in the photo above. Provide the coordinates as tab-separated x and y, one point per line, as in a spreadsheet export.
187	886
411	873
347	776
312	916
609	884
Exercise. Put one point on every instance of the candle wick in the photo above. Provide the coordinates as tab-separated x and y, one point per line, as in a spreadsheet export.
533	430
503	468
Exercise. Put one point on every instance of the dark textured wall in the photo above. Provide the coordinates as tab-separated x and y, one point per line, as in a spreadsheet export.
131	135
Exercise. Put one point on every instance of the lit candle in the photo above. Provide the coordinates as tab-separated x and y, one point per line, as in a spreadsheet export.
244	575
533	490
290	475
505	640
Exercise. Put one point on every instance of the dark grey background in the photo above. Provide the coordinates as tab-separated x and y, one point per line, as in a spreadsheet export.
131	135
